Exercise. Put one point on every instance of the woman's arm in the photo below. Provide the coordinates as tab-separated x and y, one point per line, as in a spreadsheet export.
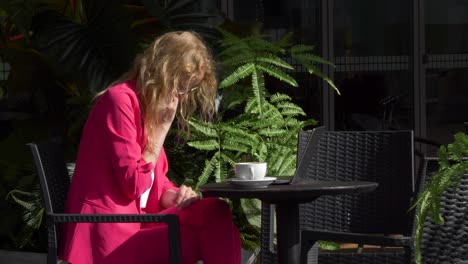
132	165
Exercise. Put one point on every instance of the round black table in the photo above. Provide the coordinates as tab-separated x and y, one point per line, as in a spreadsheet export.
287	198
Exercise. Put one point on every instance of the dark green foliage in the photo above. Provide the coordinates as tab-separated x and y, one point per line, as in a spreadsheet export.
254	56
271	138
264	127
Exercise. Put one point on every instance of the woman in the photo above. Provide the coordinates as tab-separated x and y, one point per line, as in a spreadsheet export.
121	165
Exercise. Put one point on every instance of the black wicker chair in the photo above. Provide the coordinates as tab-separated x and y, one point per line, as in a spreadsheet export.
447	243
55	181
385	157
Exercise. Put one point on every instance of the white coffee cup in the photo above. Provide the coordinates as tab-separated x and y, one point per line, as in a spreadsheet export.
250	170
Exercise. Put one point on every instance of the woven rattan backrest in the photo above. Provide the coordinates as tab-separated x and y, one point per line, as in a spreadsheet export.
385	157
53	174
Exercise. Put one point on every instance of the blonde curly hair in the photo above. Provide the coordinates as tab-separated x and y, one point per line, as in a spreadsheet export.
164	69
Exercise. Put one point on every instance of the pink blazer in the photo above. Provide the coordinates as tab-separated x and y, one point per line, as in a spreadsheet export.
110	176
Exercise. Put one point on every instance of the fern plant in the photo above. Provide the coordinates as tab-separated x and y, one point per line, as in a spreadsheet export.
253	57
272	138
453	164
264	127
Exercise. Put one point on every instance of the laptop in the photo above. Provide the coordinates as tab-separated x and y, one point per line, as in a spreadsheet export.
302	161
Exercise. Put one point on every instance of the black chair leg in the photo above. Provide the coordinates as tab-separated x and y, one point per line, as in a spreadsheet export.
306	245
408	255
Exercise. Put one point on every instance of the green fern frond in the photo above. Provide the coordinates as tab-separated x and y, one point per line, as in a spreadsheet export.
210	144
272	114
233	130
290	109
203	128
239	140
230	145
258	87
314	70
33	218
261	151
277	73
285	41
261	45
293	122
235	50
228	158
251	105
307	58
279	97
300	49
219	171
275	160
228	38
271	132
239	74
286	163
238	60
265	123
208	170
13	194
275	60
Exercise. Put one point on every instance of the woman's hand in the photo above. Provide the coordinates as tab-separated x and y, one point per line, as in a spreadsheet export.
180	199
168	113
166	117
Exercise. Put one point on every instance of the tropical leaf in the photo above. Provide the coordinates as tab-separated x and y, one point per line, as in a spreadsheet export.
257	43
307	58
274	60
13	194
272	132
288	164
241	72
258	87
300	49
316	71
290	109
229	144
277	73
210	144
203	128
279	97
208	170
285	41
85	50
239	59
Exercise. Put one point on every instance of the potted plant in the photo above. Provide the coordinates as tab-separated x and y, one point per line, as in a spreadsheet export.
453	164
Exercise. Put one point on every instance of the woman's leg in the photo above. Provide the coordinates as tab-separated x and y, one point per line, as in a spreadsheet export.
150	246
206	232
217	238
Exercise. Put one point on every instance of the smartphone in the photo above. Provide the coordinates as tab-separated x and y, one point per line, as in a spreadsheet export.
280	181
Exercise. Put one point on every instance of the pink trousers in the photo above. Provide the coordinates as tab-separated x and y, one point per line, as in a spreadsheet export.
206	233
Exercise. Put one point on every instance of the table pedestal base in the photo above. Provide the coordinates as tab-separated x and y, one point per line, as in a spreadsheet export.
287	217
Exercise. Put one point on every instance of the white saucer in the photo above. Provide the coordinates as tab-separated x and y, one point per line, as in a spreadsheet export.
251	183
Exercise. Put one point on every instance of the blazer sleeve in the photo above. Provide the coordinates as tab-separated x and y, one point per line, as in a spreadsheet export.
132	172
166	183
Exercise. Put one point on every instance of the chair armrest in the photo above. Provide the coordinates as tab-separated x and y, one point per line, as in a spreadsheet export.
114	218
358	238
